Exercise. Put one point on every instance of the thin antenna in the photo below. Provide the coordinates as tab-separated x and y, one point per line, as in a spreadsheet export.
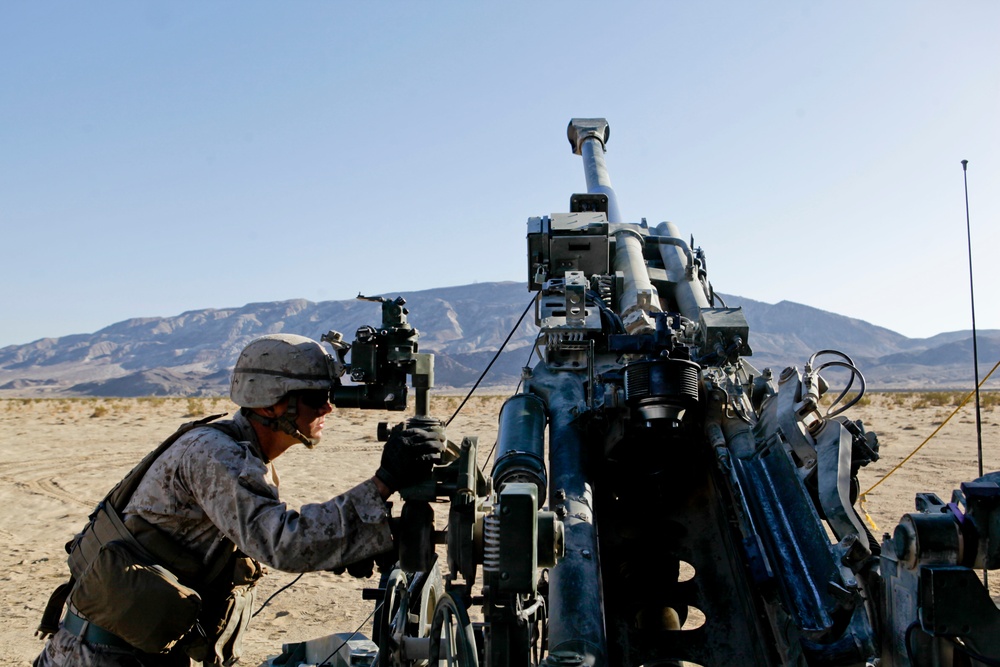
972	294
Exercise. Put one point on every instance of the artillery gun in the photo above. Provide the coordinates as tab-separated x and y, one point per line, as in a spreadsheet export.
657	500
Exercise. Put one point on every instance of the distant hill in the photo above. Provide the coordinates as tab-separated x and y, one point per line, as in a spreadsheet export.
193	353
786	333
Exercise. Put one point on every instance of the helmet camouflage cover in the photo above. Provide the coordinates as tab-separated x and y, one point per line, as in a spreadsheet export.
272	366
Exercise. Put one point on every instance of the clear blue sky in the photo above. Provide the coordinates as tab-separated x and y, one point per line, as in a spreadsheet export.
159	157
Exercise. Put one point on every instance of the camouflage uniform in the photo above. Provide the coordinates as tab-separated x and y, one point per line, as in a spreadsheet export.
208	488
65	649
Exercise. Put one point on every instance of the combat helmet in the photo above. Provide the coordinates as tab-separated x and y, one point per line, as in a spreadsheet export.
271	367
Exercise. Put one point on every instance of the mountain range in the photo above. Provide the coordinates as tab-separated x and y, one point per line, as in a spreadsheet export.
192	354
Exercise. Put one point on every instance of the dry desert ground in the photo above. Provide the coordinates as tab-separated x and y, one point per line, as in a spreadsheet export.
58	457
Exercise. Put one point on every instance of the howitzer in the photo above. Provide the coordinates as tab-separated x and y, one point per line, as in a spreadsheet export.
681	468
657	500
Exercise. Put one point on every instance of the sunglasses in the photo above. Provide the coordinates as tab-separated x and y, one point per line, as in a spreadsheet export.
313	398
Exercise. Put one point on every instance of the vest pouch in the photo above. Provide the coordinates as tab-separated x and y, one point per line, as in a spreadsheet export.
104	526
224	646
226	615
142	603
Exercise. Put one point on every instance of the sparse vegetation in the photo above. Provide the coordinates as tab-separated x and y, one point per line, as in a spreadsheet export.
195	407
154	401
98	407
989	399
937	399
827	399
446	404
900	399
922	400
442	406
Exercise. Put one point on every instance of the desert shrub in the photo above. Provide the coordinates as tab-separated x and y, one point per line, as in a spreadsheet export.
448	403
827	399
941	398
901	398
865	400
99	411
195	407
989	399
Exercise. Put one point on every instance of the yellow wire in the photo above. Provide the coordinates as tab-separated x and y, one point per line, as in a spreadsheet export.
868	517
864	496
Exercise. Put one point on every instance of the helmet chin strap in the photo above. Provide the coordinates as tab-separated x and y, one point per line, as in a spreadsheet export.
286	423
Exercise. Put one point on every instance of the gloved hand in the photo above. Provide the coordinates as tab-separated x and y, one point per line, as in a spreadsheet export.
365	567
408	456
361	569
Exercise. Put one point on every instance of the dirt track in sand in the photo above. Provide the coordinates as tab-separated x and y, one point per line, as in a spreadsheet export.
58	457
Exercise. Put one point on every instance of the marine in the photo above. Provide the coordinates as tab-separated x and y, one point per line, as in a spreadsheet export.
169	577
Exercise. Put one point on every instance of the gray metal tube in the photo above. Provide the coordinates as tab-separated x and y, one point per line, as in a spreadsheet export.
577	622
596	172
688	292
639	297
588	137
576	617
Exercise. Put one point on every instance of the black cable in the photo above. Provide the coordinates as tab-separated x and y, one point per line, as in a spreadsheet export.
962	648
613	317
275	594
326	660
716	295
855	373
906	640
849	364
836	353
527	362
492	361
531	353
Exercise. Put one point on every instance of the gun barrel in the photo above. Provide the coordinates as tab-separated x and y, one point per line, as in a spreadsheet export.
688	290
589	136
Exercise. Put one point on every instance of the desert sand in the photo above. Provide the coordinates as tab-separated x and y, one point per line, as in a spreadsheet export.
58	457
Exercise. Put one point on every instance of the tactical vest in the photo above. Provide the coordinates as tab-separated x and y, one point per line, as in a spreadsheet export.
203	611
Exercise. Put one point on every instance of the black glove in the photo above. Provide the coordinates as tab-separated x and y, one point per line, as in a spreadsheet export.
362	569
408	456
